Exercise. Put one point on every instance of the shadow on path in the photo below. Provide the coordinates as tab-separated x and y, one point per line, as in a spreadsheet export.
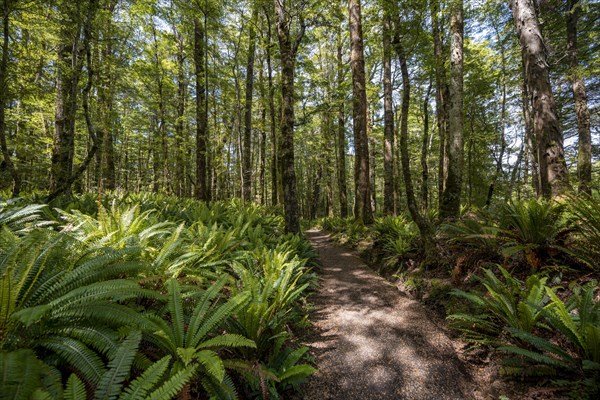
372	343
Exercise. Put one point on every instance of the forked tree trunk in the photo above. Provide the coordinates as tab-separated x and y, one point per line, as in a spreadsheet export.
554	175
362	201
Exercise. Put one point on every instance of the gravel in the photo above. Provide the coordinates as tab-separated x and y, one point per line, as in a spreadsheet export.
370	342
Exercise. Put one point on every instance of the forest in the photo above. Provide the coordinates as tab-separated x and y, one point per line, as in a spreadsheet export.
181	182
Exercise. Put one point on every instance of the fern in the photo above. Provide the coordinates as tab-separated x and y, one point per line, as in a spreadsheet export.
109	386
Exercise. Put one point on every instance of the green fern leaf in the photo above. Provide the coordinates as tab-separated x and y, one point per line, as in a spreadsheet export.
111	383
138	389
75	389
212	363
171	387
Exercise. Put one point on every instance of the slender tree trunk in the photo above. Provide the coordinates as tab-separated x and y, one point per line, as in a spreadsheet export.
179	123
341	134
246	150
441	96
202	191
288	48
388	118
272	119
3	99
584	158
424	227
450	206
554	175
263	138
492	186
424	151
362	202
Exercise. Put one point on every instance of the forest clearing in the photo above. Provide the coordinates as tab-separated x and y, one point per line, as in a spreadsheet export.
299	199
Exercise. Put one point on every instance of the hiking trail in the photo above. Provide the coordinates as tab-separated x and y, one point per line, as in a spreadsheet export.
371	342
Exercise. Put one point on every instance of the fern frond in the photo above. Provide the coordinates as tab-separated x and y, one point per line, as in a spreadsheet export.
171	387
76	354
138	389
111	383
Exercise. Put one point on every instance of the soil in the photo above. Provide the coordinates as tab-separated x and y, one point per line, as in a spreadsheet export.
371	342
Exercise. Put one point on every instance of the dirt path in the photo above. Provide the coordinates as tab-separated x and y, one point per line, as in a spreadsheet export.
373	343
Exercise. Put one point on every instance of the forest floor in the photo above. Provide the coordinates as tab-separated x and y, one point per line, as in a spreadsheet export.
371	342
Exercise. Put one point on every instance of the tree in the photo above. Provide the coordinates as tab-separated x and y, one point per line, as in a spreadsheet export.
362	200
4	97
553	173
202	182
246	150
450	205
584	160
388	116
288	47
341	133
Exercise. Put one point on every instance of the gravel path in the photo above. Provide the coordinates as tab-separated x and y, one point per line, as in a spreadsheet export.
370	342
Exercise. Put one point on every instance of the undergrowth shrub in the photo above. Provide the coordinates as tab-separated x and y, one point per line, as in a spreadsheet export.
547	330
148	296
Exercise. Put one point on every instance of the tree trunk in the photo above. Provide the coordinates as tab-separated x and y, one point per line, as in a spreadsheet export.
492	186
287	49
424	151
441	96
584	158
450	206
179	123
3	99
554	176
424	228
341	134
388	118
64	186
247	150
68	71
272	119
362	202
201	190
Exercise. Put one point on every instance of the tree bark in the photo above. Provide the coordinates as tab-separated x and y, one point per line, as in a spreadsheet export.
68	71
201	190
584	157
3	99
288	48
554	177
388	118
179	123
272	119
425	229
450	206
247	141
441	96
341	134
424	151
362	202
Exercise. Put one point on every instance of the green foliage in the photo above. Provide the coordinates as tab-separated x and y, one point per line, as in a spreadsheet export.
71	290
397	236
507	302
586	211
